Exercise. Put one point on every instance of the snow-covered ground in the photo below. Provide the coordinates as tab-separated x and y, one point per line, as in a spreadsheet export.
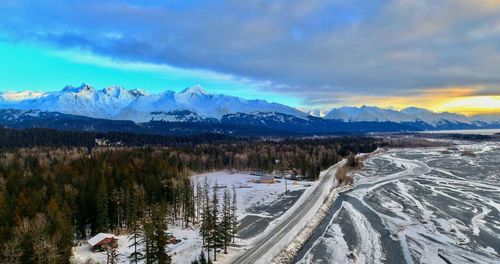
184	252
251	194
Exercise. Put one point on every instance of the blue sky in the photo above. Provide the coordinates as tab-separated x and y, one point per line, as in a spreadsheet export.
44	68
312	54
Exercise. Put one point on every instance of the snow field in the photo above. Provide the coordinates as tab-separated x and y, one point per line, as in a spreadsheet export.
191	245
257	193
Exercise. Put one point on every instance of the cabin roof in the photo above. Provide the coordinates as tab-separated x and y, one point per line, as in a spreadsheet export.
99	237
266	178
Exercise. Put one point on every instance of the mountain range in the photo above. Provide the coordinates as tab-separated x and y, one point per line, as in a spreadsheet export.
117	108
118	103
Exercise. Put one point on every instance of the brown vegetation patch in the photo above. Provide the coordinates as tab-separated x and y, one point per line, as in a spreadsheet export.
468	153
412	142
342	177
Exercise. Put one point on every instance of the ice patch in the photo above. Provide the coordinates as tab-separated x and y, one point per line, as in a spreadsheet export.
478	220
370	249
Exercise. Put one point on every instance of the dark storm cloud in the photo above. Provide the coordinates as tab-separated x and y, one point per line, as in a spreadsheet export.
313	49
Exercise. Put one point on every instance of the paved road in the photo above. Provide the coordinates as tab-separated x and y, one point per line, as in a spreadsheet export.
273	237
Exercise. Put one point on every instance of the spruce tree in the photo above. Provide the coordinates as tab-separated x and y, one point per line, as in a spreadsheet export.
134	214
234	219
202	259
160	236
225	224
101	200
214	235
205	228
147	240
118	199
135	235
199	201
187	202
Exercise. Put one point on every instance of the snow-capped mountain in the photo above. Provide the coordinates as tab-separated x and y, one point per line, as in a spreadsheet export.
84	100
195	105
435	118
199	101
410	114
487	118
121	104
13	97
368	113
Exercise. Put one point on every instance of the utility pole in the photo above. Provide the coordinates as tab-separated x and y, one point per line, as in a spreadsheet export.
282	175
286	186
118	198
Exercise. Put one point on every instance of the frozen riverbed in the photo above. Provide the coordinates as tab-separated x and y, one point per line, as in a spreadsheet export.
432	205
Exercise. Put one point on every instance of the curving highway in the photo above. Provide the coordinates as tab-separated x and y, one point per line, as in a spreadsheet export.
261	251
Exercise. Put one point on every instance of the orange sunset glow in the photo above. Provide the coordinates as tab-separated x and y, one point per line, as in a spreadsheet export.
464	100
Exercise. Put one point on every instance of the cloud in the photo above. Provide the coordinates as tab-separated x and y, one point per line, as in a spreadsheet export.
89	58
322	51
465	100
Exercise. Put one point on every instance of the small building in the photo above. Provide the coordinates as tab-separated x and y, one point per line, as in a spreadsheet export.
266	179
244	185
295	175
102	240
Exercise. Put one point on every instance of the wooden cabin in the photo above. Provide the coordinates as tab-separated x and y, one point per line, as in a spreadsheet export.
102	240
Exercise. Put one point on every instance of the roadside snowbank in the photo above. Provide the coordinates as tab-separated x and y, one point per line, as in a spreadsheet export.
287	255
311	223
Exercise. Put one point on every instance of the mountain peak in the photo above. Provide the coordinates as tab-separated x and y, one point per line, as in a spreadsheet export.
82	88
115	90
137	92
196	89
412	110
85	87
68	87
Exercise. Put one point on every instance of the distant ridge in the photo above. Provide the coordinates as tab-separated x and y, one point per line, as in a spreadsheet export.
410	114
